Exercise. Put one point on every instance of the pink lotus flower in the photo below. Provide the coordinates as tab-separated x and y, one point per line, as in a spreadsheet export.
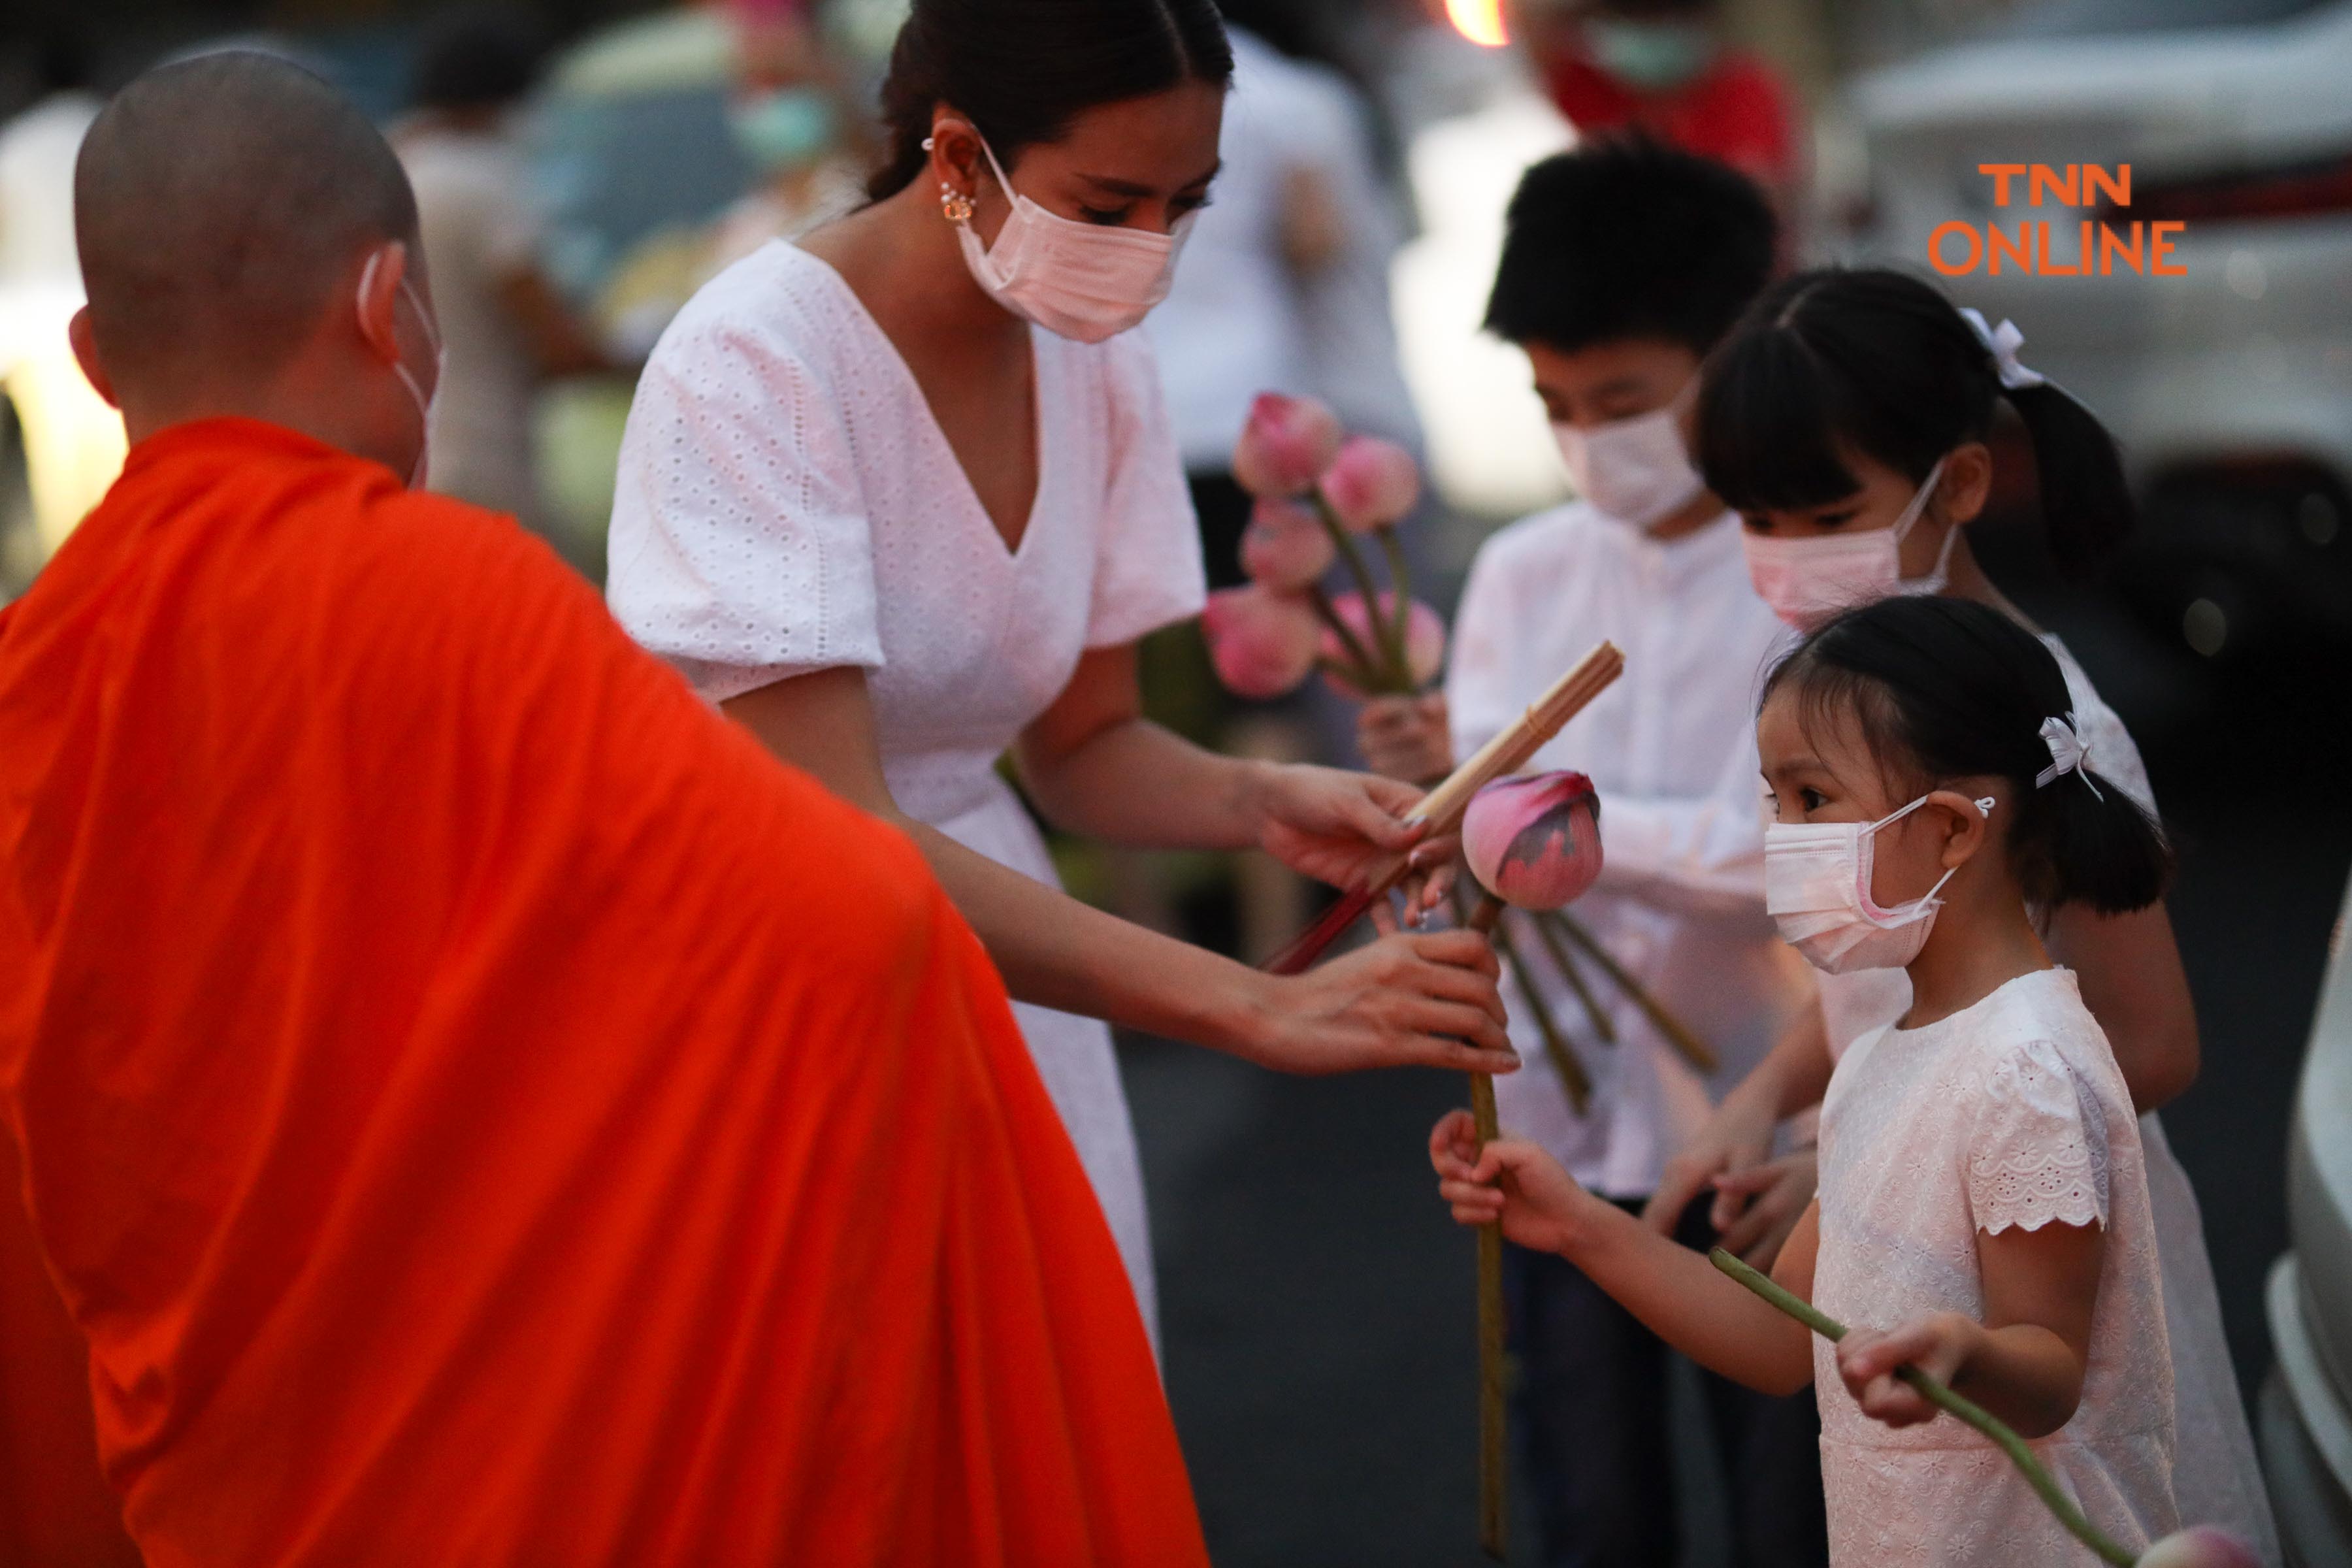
1371	483
1286	443
1534	842
1285	547
2200	1546
1425	640
1263	644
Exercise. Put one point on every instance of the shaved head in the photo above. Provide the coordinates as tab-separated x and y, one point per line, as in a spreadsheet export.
220	204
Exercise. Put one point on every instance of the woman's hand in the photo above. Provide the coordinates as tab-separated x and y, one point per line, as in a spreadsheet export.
1940	1344
1406	738
1403	1001
1336	827
1538	1202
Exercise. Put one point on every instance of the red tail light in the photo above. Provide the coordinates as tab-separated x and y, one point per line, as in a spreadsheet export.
2315	189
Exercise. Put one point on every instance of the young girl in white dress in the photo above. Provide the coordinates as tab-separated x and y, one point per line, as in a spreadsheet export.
1850	419
902	499
1983	1212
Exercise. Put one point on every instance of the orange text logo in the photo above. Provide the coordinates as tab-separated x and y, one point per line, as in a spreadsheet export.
2107	241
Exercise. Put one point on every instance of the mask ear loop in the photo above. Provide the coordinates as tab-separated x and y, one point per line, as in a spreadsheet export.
1917	510
1925	901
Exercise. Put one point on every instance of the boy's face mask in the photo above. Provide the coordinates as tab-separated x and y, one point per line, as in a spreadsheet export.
424	405
781	128
1635	471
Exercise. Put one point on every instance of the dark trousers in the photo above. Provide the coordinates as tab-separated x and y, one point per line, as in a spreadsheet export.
1589	1419
1224	509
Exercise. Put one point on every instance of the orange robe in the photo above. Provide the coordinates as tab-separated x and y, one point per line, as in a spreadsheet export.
480	1109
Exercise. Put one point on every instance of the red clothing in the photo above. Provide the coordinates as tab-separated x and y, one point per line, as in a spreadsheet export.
1736	111
482	1109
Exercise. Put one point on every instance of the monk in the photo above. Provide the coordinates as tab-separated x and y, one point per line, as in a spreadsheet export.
478	1108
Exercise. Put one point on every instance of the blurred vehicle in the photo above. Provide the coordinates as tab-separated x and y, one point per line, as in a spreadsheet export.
2303	1423
2231	387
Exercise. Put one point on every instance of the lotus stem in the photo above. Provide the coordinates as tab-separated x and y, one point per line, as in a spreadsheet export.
1570	1072
1400	585
1940	1395
1494	1531
1544	930
1391	665
1367	668
1678	1033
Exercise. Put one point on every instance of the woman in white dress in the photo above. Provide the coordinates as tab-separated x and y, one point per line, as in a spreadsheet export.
902	499
1848	419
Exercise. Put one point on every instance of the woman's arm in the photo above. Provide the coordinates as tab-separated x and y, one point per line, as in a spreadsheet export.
1676	1292
1095	765
2129	969
2023	1362
1407	1000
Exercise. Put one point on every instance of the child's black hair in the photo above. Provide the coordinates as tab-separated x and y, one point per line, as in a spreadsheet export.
1625	237
1946	689
1879	363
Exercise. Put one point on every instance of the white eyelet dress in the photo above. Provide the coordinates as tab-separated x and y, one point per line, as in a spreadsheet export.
787	503
2010	1112
2216	1477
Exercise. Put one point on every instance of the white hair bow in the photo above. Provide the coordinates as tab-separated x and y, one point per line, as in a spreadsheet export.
2069	753
2002	342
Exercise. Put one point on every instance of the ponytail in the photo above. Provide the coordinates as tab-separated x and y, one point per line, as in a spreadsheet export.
1951	689
2087	507
1876	361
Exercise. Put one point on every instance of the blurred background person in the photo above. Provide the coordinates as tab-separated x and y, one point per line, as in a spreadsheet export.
1667	67
505	328
73	441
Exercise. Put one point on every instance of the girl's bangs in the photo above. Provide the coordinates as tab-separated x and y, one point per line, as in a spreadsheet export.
1769	418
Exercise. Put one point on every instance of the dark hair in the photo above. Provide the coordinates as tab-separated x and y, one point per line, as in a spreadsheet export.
1879	363
1626	237
1020	70
475	58
1949	689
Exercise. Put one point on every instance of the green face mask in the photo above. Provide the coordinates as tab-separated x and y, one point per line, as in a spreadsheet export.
783	128
1650	55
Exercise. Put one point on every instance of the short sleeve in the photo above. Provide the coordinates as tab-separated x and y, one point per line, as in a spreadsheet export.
2038	1150
1148	571
741	550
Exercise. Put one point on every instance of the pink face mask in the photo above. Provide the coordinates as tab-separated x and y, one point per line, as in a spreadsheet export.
1807	580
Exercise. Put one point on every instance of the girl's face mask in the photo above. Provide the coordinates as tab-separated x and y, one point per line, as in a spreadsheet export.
1807	580
1817	889
1082	280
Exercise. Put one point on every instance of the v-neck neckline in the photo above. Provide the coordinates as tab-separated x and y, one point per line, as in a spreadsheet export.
1013	552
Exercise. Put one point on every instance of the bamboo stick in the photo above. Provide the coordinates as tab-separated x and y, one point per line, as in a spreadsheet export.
1493	1454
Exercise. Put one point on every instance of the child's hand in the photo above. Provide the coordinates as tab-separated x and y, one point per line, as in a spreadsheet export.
1406	737
1938	1344
1516	1182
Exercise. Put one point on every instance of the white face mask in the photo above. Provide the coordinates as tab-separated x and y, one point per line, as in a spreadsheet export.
1807	580
424	405
1817	890
1082	280
1635	471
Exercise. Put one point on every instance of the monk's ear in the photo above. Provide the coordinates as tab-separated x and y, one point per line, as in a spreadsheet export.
378	301
84	339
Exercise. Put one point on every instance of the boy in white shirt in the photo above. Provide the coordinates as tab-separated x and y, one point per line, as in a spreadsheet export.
1623	263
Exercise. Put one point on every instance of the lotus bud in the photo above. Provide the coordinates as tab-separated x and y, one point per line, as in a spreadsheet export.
2200	1546
1287	442
1263	644
1371	483
1424	639
1534	842
1285	547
